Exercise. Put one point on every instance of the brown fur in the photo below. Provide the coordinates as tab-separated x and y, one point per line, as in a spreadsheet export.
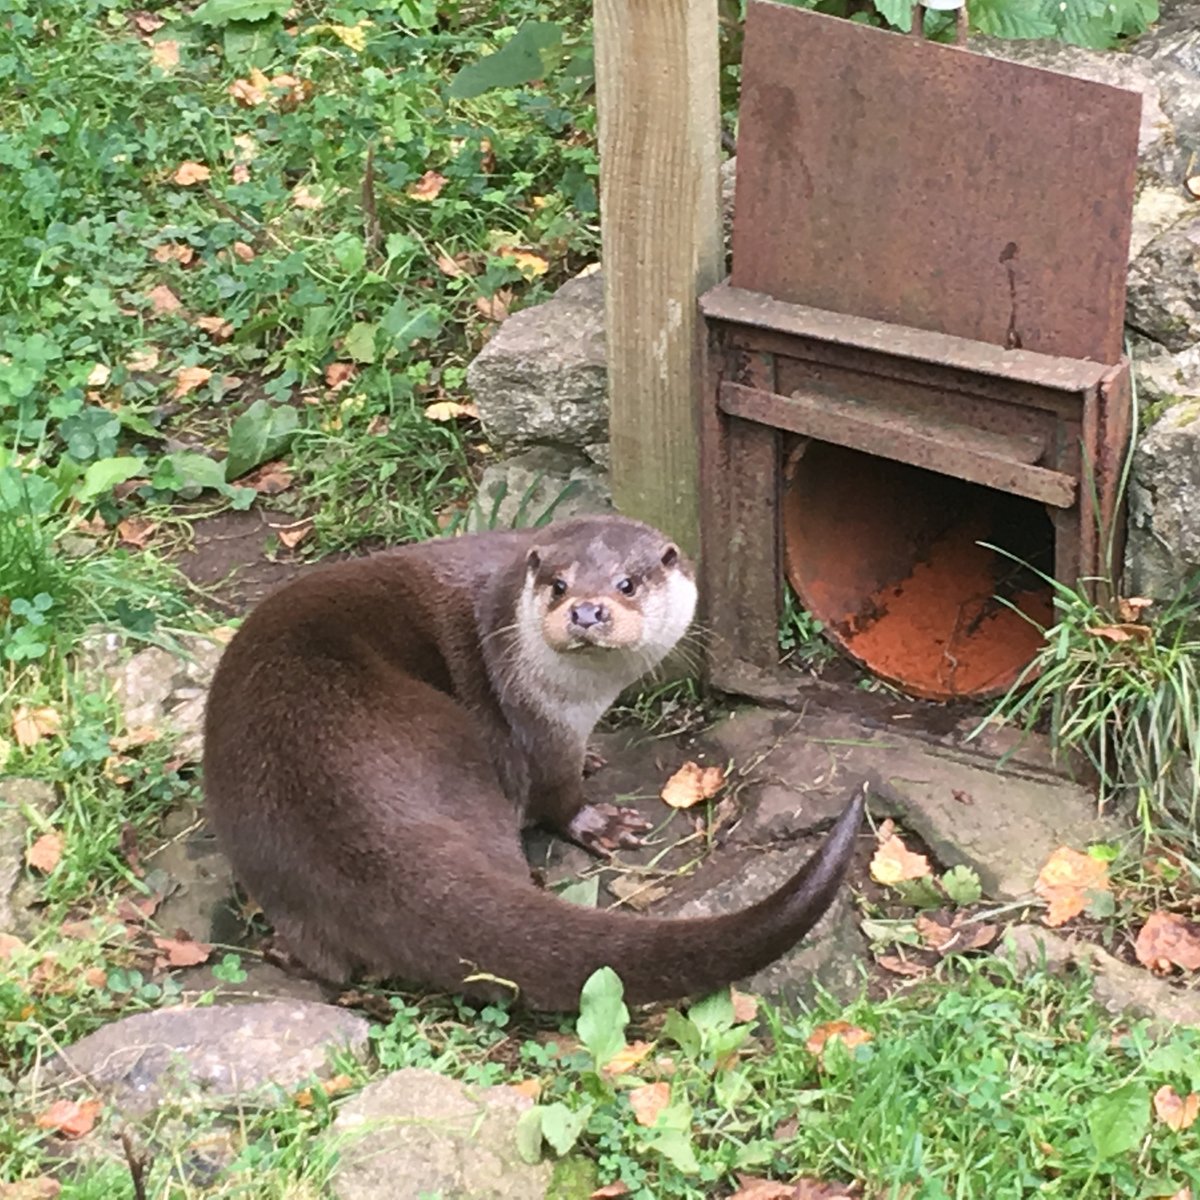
377	737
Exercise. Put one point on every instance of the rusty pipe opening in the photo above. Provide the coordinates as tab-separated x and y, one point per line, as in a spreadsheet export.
887	556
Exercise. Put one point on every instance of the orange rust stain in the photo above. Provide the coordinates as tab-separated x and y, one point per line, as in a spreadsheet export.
940	633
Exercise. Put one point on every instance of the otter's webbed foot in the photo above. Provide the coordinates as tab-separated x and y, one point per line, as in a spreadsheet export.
603	828
593	761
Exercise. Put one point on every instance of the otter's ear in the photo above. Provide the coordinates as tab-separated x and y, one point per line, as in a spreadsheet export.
533	561
670	556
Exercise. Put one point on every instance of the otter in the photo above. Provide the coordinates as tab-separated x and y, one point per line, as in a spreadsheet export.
379	731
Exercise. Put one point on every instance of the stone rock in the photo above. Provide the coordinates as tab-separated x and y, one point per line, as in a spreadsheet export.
197	879
217	1054
543	377
520	489
157	688
1118	986
1164	285
16	893
1163	378
832	956
1163	545
416	1134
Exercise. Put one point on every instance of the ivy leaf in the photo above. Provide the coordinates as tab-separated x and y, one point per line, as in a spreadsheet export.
359	343
223	12
602	1015
529	55
104	475
405	325
1119	1120
561	1127
258	435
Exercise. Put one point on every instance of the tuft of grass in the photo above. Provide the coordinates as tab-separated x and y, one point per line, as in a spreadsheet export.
801	640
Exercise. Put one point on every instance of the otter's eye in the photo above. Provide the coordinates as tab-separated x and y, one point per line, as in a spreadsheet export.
559	587
626	587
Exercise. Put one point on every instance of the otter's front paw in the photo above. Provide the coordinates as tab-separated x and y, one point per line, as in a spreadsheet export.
593	761
603	828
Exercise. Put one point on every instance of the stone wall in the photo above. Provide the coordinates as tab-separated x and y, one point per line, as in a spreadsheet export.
542	393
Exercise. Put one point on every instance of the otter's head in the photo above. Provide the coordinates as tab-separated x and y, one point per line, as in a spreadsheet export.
609	587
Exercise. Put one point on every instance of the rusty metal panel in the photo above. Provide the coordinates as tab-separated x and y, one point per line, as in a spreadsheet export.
932	187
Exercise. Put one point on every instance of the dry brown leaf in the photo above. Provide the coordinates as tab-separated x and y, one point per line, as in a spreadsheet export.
95	977
325	1087
428	187
530	1088
529	264
1175	1111
141	735
448	410
1066	880
41	1188
188	379
163	301
627	1059
745	1006
1168	940
179	252
189	173
243	252
252	91
98	375
9	944
495	307
451	267
304	197
293	536
900	966
894	862
1130	608
179	952
648	1101
240	173
269	479
30	725
849	1035
609	1190
752	1188
71	1118
136	531
1127	632
145	359
932	932
378	425
808	1188
338	374
148	22
165	54
691	784
217	328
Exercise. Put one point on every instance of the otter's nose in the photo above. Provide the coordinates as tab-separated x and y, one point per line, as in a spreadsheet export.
586	614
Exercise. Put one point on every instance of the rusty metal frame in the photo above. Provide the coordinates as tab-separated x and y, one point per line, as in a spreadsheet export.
1007	375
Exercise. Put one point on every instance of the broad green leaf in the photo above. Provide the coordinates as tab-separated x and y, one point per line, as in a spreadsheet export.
349	252
104	475
1118	1121
962	885
896	12
1010	19
222	12
920	893
258	435
359	343
584	892
529	1134
561	1127
530	53
681	1031
602	1015
405	325
187	471
712	1014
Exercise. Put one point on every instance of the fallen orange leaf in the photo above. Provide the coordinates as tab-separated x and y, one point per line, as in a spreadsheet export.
1175	1111
495	306
216	327
30	725
136	531
179	252
9	942
1066	880
189	379
180	953
41	1188
189	173
304	197
752	1188
745	1006
294	535
1168	940
428	187
269	479
691	784
849	1035
243	252
610	1190
529	264
648	1101
530	1088
327	1087
165	54
447	410
145	359
894	862
1127	632
627	1059
163	301
338	374
71	1118
900	966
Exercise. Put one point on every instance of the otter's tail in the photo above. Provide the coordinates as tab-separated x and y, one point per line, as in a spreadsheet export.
547	948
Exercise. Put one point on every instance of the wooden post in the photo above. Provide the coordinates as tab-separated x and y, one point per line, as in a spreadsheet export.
658	98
